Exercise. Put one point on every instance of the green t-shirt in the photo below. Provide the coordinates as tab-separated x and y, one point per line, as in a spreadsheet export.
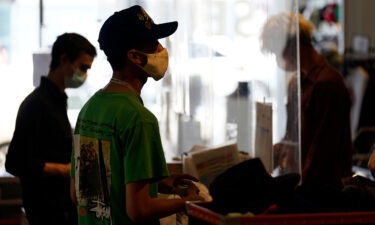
116	142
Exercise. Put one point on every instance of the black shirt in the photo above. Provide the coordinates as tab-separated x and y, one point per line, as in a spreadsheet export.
42	134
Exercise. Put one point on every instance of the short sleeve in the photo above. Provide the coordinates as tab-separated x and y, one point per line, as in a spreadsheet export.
144	156
75	153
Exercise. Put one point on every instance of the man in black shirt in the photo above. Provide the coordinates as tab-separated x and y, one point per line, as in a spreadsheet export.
39	153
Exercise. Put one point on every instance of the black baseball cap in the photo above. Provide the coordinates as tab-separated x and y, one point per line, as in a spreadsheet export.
125	28
248	187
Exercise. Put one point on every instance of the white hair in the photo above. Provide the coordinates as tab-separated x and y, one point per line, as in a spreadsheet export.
281	28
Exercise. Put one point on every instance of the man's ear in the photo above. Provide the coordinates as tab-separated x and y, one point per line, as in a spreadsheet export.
63	59
137	57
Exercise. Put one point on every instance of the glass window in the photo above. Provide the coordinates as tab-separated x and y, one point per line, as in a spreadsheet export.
219	88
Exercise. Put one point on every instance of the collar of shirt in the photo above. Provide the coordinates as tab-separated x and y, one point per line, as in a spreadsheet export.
48	85
312	74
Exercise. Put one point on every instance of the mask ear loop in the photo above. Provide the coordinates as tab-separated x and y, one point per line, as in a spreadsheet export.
134	56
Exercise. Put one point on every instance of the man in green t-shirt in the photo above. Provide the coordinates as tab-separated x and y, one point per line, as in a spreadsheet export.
118	165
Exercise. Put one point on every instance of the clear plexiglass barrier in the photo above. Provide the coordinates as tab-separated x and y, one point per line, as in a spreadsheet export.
227	81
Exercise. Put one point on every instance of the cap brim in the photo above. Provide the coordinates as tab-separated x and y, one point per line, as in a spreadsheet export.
165	29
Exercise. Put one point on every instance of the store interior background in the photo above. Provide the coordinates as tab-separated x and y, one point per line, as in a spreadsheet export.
217	71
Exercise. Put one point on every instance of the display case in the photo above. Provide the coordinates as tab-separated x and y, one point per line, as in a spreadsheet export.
201	215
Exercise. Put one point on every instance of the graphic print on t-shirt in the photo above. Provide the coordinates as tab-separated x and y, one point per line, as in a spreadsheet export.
94	172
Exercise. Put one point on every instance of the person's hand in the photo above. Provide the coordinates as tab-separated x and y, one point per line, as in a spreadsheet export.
171	184
284	154
191	193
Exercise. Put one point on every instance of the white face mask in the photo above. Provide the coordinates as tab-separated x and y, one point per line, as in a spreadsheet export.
76	80
157	64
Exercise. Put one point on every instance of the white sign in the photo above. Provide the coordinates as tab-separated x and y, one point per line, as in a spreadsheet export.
263	134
